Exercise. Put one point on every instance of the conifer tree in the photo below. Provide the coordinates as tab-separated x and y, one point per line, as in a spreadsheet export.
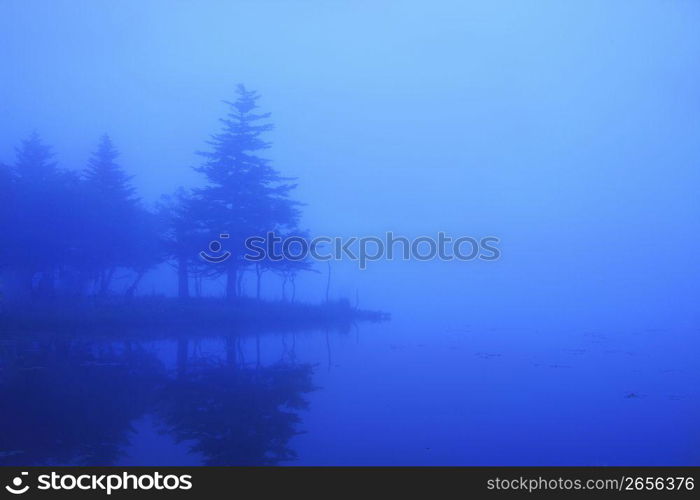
115	214
106	177
246	196
182	236
43	219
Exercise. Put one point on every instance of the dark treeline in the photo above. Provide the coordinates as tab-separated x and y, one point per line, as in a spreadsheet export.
71	233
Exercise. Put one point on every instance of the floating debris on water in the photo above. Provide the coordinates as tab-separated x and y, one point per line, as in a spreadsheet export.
488	355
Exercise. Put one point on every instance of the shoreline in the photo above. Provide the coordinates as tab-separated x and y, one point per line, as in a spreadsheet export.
146	312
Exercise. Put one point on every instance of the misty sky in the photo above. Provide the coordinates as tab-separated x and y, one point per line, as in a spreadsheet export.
568	129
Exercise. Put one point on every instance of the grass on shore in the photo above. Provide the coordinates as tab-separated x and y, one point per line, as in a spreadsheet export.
169	312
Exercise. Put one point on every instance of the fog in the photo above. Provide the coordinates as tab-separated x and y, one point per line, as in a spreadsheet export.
562	129
568	130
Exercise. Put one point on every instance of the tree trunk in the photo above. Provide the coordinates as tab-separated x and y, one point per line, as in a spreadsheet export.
258	275
134	285
231	283
239	283
183	280
198	285
106	280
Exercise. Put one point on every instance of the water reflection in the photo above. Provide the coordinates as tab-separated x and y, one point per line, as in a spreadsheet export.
234	414
74	401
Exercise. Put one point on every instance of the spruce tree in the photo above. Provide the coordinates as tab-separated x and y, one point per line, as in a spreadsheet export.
35	165
114	212
182	237
105	177
43	222
246	196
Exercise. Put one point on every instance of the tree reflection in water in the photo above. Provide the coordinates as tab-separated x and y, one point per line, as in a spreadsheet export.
72	402
234	414
67	402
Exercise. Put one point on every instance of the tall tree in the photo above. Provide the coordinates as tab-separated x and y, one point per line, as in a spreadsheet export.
182	236
106	177
35	163
115	215
246	196
8	226
43	220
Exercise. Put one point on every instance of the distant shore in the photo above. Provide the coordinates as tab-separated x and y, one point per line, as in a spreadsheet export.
147	312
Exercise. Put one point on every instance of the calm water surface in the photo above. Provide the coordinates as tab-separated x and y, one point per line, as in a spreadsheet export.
401	392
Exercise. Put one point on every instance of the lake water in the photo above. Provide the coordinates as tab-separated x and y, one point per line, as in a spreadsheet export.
405	392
